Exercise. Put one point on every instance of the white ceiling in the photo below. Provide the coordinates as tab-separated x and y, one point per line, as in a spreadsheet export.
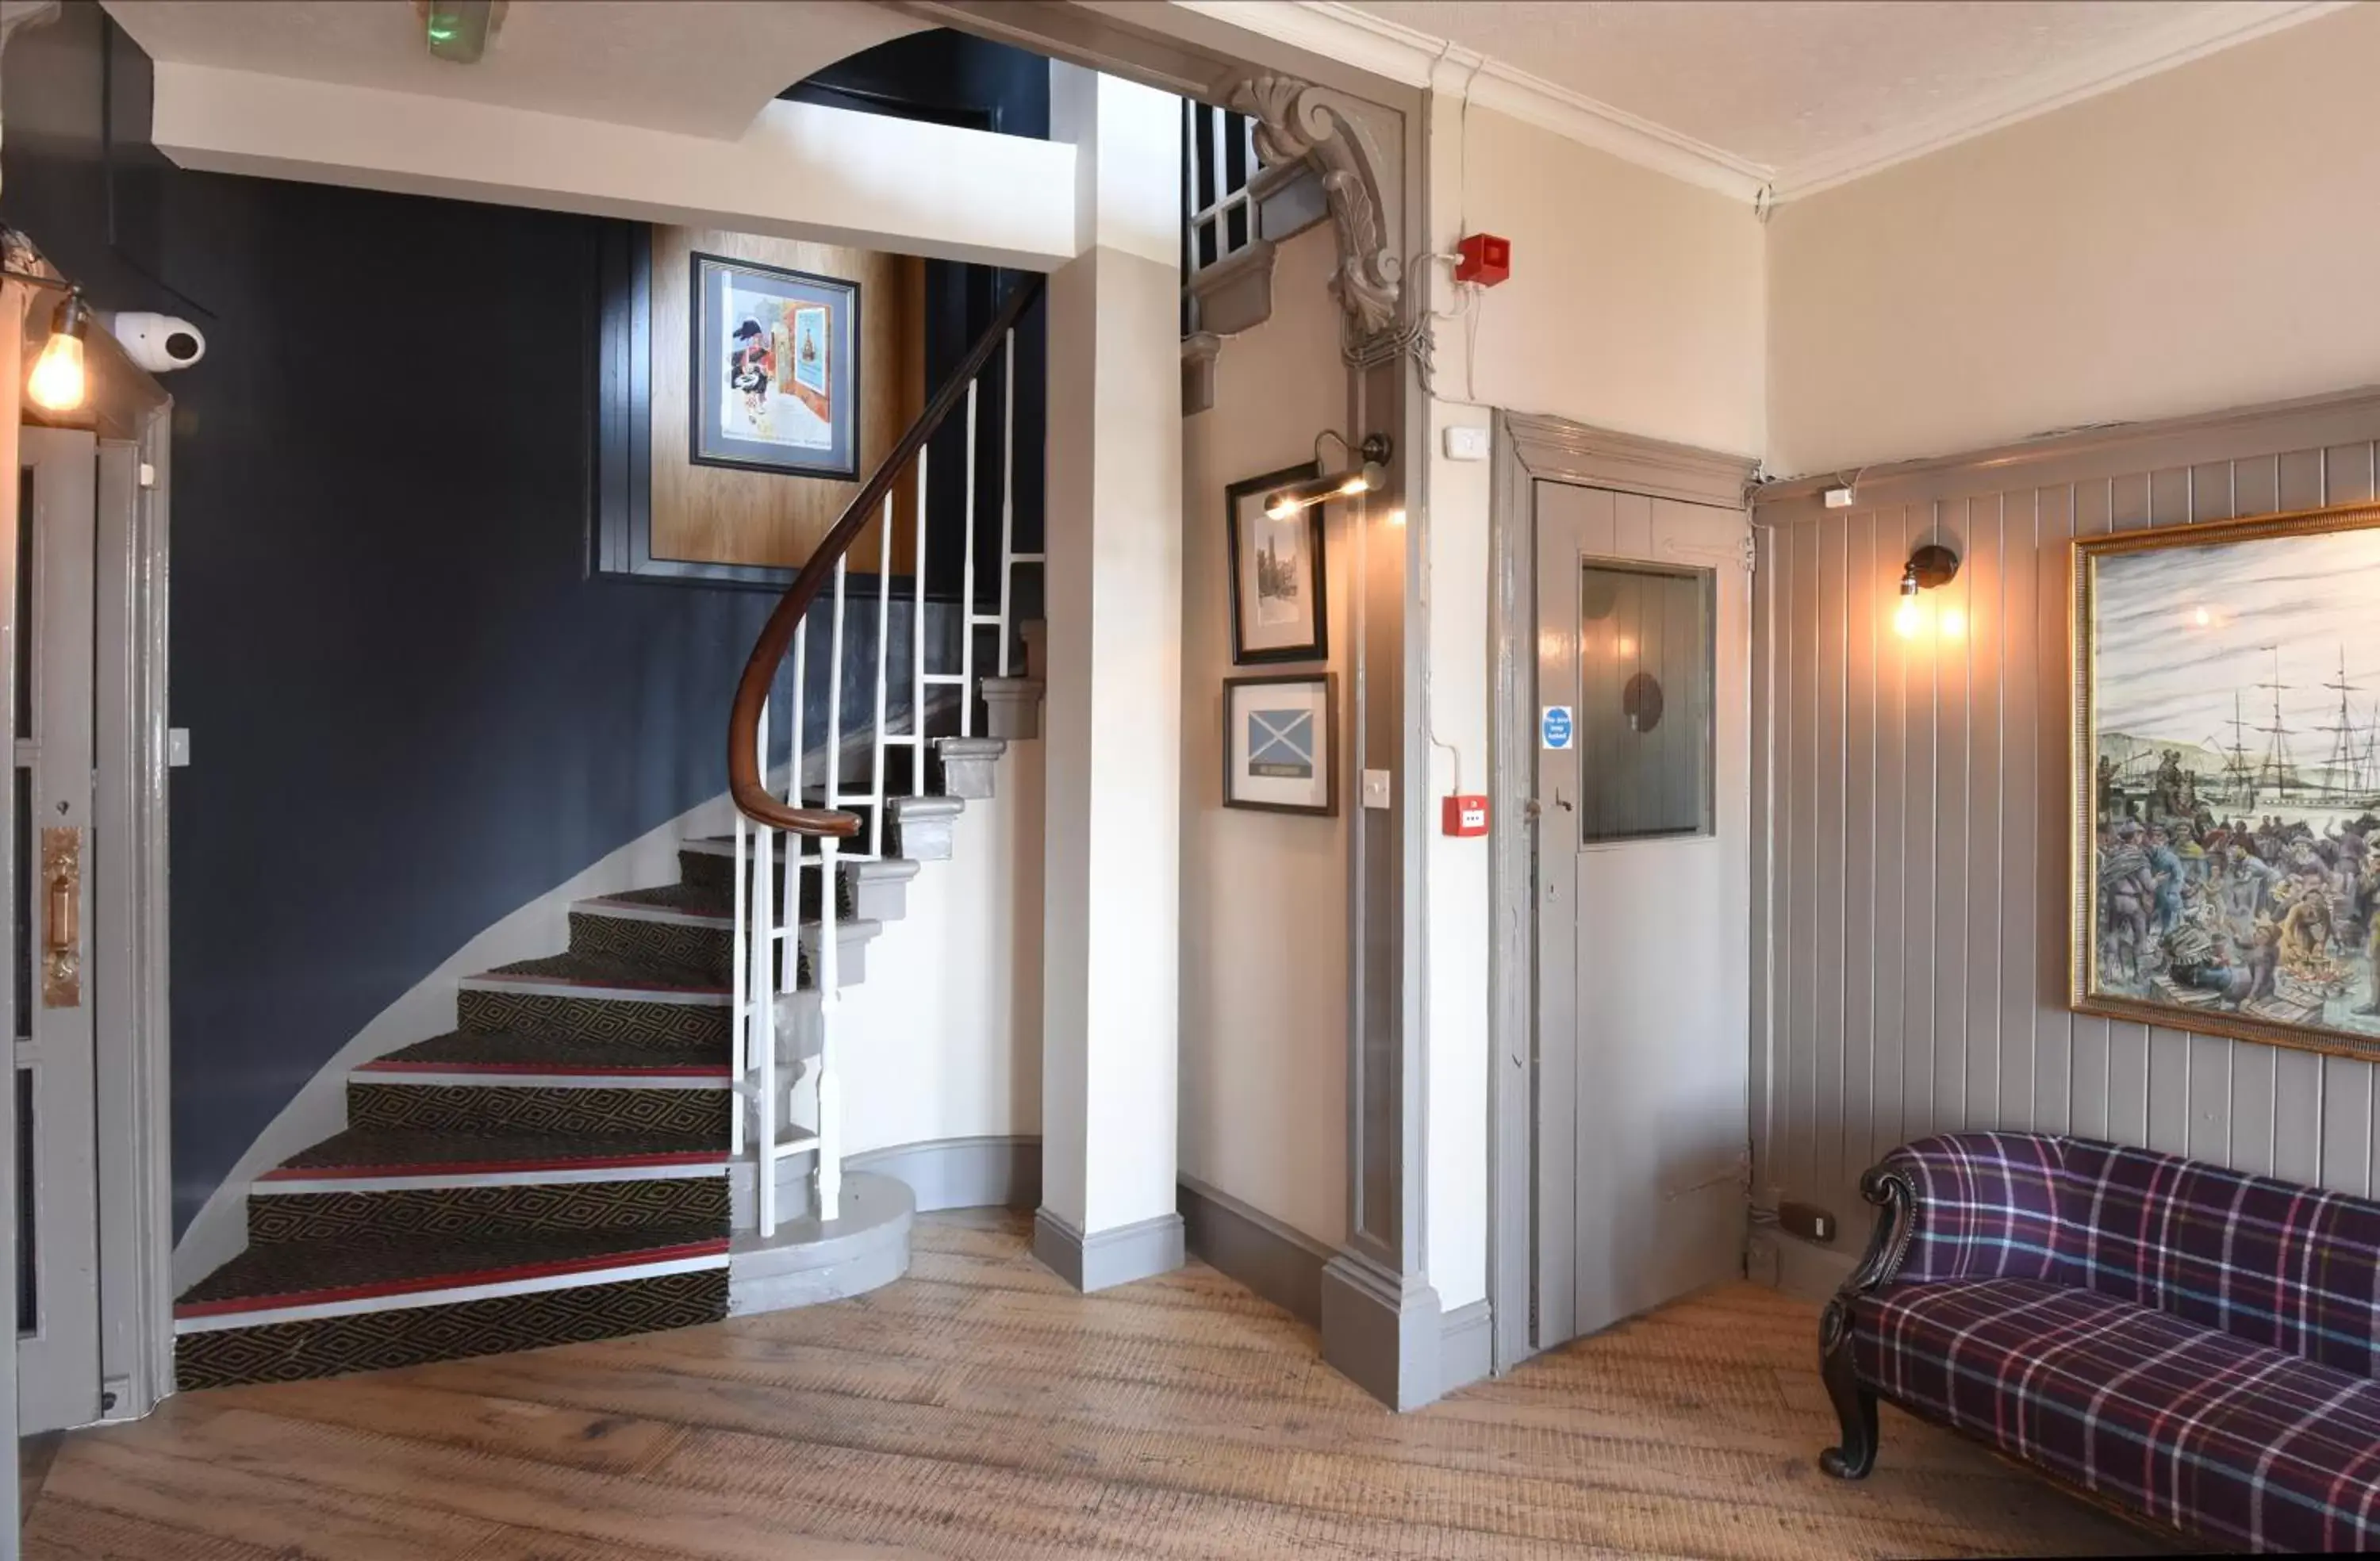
1812	92
702	68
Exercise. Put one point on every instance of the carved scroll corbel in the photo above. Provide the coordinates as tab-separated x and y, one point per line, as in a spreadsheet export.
1296	121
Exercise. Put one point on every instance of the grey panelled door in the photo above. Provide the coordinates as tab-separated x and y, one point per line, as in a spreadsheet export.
57	1256
1644	902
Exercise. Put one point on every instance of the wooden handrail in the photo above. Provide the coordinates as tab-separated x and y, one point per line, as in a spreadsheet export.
743	781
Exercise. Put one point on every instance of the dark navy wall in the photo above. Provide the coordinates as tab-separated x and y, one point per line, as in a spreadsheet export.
411	709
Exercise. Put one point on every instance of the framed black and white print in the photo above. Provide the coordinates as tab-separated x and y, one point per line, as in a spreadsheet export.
1278	610
776	369
1280	743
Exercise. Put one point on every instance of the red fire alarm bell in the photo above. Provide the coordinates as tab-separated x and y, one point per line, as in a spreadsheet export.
1463	814
1487	259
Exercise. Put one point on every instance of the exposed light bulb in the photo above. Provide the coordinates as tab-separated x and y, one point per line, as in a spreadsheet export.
1908	618
58	382
2203	618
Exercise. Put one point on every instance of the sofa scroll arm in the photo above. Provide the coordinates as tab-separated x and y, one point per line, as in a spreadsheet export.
1895	1198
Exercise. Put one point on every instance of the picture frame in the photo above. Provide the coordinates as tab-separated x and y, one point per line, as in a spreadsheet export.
1279	575
1280	743
2224	846
775	368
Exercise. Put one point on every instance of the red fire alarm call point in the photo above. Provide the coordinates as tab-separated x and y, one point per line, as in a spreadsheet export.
1463	814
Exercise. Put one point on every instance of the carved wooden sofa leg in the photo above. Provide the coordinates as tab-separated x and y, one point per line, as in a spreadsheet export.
1854	1400
1854	1404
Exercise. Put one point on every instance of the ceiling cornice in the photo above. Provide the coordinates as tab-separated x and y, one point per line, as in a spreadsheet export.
1419	59
2192	35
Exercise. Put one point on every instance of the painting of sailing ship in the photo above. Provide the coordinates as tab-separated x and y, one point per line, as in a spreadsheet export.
2228	780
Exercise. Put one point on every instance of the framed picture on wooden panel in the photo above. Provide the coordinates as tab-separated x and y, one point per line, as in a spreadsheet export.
1278	613
776	369
2227	779
1280	743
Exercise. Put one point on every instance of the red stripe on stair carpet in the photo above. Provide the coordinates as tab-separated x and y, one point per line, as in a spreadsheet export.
414	1284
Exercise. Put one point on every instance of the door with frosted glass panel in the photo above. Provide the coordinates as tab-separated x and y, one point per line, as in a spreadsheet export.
1644	904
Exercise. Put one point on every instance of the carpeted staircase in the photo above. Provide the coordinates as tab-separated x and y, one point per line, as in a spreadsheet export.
554	1170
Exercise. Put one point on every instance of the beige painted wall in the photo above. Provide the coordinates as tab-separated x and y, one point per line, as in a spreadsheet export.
2200	240
1635	301
1264	895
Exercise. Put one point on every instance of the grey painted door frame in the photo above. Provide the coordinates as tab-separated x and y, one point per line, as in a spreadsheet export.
1381	1317
1528	449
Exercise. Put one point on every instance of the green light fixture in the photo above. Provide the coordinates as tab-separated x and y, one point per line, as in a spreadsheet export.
459	30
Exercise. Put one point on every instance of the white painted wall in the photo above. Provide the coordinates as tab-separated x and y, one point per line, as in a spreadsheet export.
944	1036
1111	720
801	171
1636	303
2196	240
1264	895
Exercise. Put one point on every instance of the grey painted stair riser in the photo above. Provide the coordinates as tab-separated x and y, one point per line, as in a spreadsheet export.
922	827
967	768
1011	708
879	890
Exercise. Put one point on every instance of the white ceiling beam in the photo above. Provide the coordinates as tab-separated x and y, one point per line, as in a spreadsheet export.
826	174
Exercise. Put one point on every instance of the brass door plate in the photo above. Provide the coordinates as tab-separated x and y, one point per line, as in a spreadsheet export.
62	916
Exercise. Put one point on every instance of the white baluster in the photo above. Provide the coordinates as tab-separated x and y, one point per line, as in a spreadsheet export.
1007	491
764	1010
830	1080
966	581
918	628
739	1001
883	678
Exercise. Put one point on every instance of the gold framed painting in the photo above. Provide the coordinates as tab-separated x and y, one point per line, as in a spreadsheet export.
2225	851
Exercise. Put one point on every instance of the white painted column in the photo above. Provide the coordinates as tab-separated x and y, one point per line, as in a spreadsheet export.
1112	728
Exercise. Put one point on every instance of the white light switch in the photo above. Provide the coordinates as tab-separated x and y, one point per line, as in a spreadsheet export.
177	746
1376	787
1466	444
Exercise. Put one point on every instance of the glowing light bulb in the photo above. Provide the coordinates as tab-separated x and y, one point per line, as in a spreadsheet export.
58	383
1954	623
1908	618
2203	618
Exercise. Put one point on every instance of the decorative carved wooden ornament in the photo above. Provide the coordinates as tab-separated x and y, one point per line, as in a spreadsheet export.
1297	121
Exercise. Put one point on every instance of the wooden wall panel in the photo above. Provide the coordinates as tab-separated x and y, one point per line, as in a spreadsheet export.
1913	873
719	514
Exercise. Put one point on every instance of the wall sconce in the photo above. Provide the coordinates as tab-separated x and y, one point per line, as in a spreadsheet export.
1368	477
1928	567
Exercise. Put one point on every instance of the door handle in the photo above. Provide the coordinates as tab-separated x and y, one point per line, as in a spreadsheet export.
62	948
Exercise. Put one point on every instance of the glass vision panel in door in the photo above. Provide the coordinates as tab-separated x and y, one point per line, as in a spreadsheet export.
1646	712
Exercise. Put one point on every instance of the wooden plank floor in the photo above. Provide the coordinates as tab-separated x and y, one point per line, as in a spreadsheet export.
979	1408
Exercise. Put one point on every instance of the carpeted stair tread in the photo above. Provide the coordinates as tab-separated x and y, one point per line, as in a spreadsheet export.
606	971
511	1051
294	1273
694	899
401	1152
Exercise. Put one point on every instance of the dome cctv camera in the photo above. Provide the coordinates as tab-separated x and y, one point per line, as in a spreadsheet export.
159	342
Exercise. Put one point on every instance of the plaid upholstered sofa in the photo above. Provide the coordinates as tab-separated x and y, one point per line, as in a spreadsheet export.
2187	1343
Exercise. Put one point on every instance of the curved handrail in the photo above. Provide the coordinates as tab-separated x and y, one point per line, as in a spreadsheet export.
744	782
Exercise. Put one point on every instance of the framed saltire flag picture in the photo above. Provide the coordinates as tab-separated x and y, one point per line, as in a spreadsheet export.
776	369
1280	743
